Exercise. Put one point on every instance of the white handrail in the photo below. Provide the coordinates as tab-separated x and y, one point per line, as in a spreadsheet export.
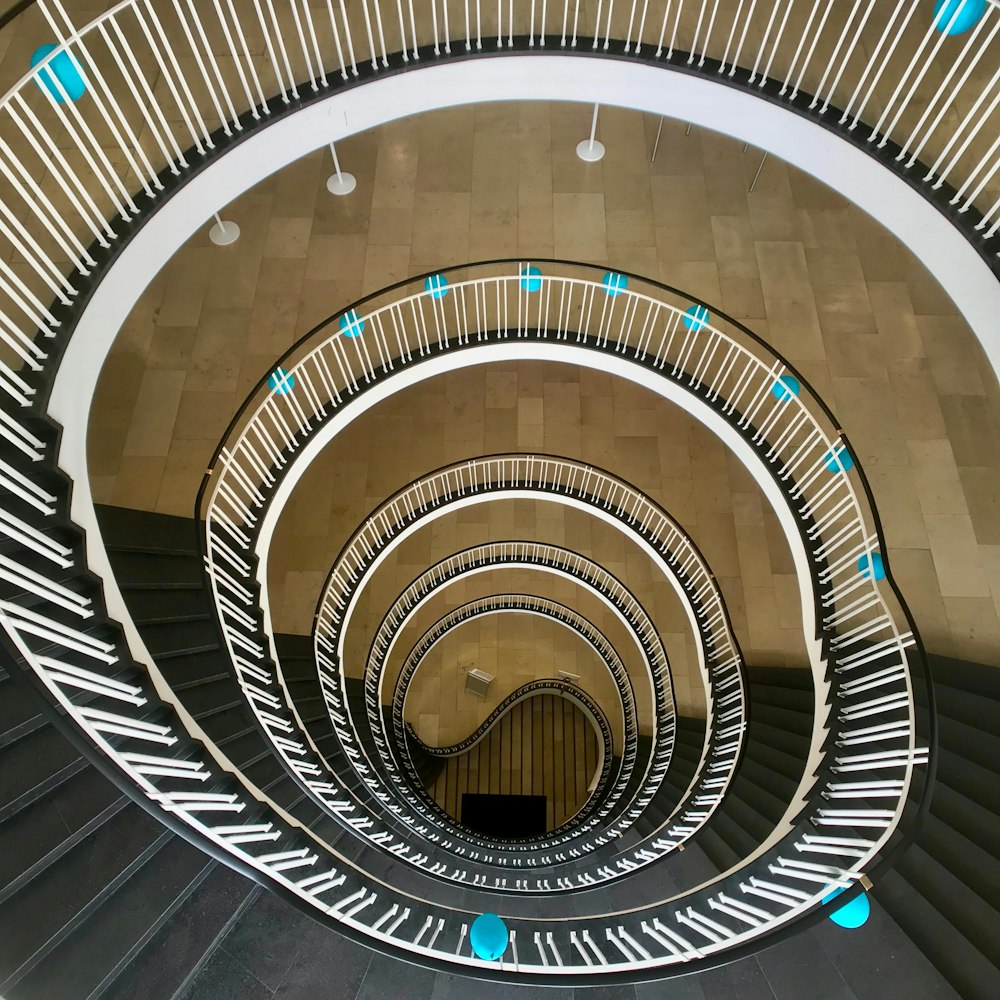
471	561
873	721
564	481
733	373
121	55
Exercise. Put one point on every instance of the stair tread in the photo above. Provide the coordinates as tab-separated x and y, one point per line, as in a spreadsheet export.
69	887
46	826
151	606
125	526
191	933
975	745
32	763
955	957
168	638
974	781
960	904
93	952
975	866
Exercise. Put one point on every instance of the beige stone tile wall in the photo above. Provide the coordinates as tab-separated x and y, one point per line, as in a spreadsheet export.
830	289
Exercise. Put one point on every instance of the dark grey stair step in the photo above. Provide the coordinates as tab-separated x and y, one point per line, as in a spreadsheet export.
328	829
794	678
195	666
792	744
962	905
788	766
13	732
125	527
975	745
965	859
688	745
285	791
150	570
293	646
732	833
38	835
791	723
264	771
93	955
972	709
246	745
328	744
975	781
959	812
313	713
303	690
187	938
151	606
769	792
949	950
59	898
33	766
300	670
966	676
210	696
169	639
310	708
742	810
715	849
800	698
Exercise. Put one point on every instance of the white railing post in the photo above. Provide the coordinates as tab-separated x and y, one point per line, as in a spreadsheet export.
591	150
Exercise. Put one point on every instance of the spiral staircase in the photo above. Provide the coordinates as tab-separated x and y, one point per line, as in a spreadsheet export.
193	804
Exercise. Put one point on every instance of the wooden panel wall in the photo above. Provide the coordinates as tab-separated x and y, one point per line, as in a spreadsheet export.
542	746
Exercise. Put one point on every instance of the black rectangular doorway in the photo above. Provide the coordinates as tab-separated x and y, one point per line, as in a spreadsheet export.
507	817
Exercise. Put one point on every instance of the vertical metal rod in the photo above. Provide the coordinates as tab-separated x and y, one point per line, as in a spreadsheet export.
656	144
687	131
341	184
218	219
756	176
593	126
336	162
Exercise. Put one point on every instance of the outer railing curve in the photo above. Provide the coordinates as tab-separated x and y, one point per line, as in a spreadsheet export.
774	409
110	718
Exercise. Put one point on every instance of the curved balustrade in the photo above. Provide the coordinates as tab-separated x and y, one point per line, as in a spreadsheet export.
52	611
470	562
649	938
727	372
528	604
873	728
543	685
875	63
520	604
566	482
723	743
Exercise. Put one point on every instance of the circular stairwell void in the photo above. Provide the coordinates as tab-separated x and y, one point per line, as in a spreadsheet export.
762	444
625	747
543	477
63	397
619	942
362	390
